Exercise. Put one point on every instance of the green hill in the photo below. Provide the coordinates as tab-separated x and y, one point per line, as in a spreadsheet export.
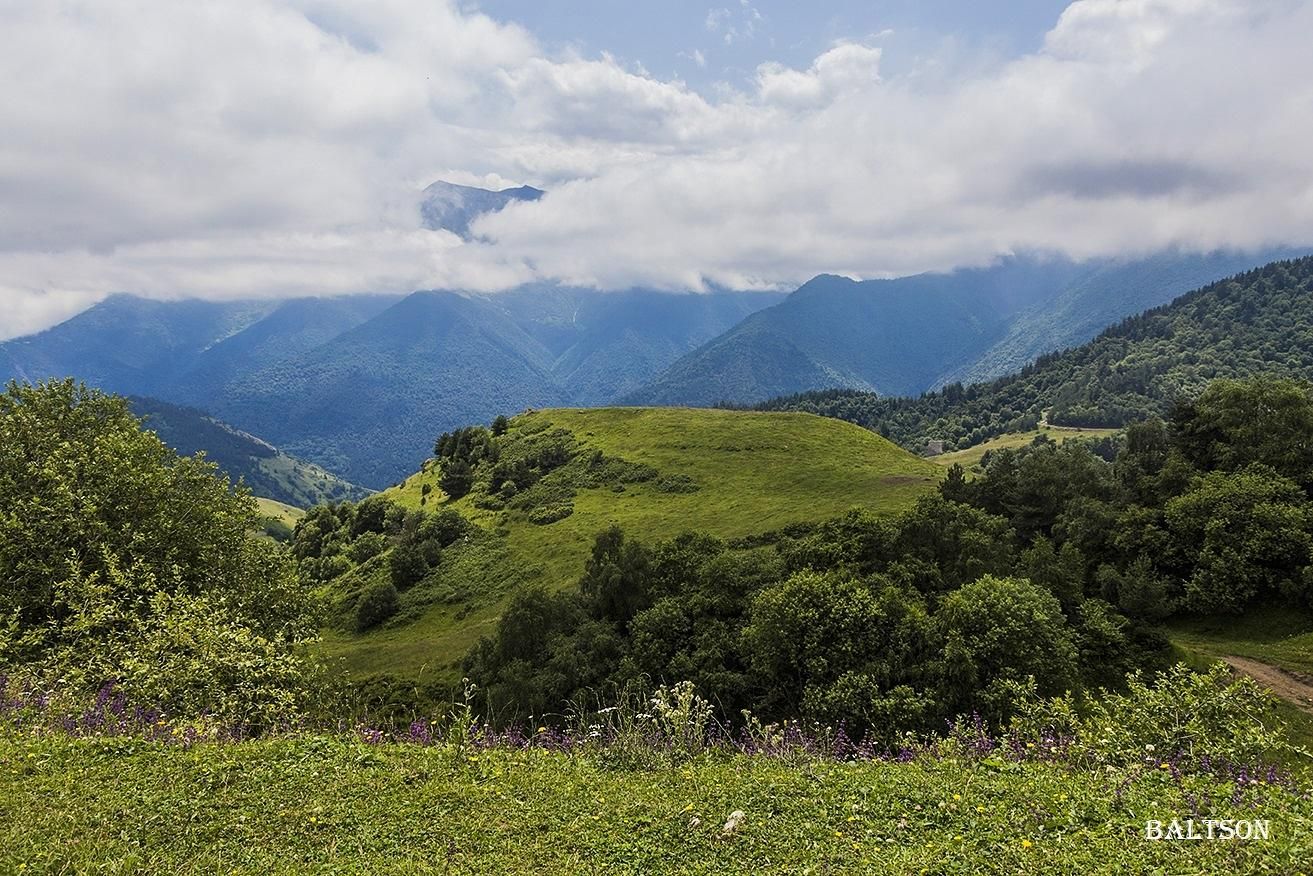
655	472
1259	322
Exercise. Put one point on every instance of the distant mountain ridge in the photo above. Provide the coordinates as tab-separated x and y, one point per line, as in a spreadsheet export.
361	385
453	207
905	336
1259	322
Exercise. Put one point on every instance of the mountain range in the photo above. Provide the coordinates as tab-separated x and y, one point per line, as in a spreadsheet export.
268	471
1253	324
905	336
361	385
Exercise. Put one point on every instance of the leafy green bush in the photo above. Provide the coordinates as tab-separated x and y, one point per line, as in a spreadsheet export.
123	562
546	514
380	602
1177	714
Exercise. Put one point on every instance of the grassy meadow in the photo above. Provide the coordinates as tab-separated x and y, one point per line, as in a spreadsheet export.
755	472
325	804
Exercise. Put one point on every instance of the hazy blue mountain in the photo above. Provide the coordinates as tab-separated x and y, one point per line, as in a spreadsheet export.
181	350
912	334
357	384
133	345
1259	322
894	336
605	344
291	328
453	207
1111	291
268	471
370	404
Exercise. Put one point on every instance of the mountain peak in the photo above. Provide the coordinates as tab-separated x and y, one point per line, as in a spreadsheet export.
453	207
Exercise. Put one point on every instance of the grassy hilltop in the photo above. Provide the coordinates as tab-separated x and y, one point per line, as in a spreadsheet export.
731	474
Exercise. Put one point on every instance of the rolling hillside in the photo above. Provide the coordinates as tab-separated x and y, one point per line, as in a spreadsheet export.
912	334
730	474
269	472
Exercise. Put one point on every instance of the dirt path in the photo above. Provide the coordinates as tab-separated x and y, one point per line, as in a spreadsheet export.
1292	687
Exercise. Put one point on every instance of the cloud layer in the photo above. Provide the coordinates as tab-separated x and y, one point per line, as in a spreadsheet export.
277	147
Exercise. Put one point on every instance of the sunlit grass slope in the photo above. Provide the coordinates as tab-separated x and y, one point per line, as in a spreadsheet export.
1061	434
755	472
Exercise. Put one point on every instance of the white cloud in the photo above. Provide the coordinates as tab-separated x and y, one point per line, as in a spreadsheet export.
276	147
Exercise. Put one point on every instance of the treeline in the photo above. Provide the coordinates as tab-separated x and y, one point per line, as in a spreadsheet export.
1054	563
1259	322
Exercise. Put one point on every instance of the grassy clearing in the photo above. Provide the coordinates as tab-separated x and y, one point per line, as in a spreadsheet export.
755	472
1278	636
279	511
330	805
971	456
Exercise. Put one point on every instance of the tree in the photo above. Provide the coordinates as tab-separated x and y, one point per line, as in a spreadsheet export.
111	544
407	565
616	577
457	478
1235	423
1005	630
500	425
1237	535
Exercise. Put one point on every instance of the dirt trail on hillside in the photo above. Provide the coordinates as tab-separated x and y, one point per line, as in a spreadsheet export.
1292	687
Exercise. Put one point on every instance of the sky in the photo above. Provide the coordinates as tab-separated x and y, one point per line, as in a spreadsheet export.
265	148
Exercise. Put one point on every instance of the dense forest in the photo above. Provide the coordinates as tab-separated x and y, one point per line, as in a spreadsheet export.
1259	322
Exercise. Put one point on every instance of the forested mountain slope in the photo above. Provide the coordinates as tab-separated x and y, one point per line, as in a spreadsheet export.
912	334
1258	322
269	472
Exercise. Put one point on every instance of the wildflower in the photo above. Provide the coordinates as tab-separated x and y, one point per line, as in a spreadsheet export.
957	797
1025	844
1165	766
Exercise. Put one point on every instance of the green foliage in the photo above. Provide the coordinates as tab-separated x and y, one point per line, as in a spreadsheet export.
1237	423
457	478
1003	630
1179	714
1240	536
380	602
407	566
123	561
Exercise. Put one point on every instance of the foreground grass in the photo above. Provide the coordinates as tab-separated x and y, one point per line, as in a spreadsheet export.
755	472
332	805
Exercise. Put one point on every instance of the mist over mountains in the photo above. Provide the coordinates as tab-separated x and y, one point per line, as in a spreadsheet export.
453	207
912	334
361	385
